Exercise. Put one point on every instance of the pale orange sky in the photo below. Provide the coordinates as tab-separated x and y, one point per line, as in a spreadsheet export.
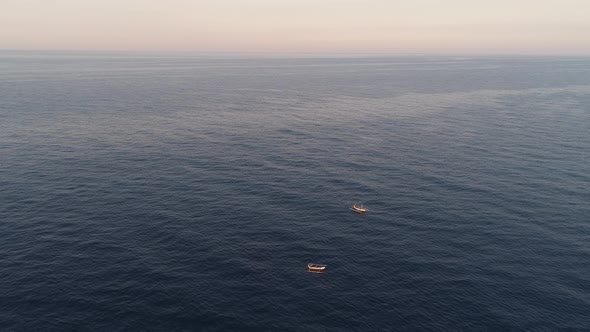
306	26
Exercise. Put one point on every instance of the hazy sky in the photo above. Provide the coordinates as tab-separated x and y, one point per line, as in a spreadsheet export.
307	26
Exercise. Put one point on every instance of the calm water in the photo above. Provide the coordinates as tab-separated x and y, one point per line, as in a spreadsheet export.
185	193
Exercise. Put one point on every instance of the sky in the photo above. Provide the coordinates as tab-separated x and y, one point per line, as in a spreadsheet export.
300	26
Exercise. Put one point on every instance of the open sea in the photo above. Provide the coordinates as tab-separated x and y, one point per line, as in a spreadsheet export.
160	192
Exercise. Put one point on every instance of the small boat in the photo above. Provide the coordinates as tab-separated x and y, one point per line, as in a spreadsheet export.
316	268
359	209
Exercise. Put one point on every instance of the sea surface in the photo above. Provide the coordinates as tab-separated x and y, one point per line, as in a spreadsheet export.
160	192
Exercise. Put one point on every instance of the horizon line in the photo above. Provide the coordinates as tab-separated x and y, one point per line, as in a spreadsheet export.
299	53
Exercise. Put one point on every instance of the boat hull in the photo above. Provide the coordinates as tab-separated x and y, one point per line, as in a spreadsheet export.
357	210
316	268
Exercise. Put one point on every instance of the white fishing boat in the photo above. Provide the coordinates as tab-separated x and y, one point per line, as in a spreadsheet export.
359	209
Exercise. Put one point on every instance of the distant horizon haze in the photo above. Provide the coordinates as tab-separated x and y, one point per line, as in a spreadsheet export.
527	27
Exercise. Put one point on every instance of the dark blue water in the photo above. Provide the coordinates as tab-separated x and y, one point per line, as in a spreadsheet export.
182	193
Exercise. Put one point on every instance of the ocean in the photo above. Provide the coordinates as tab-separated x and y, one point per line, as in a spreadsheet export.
161	192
